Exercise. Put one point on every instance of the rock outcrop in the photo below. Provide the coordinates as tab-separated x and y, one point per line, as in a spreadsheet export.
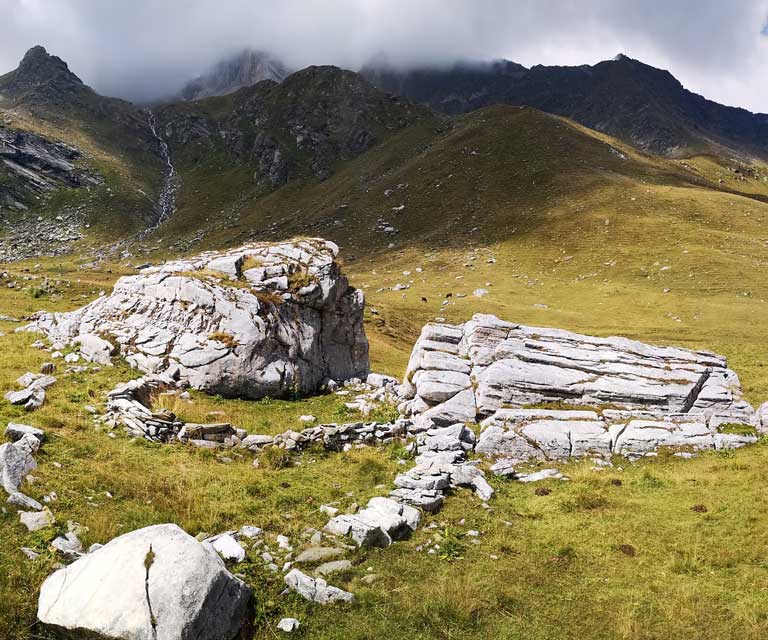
156	583
469	371
261	320
32	165
644	397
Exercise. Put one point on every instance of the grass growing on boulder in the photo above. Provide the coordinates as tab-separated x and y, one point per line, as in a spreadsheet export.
226	339
738	429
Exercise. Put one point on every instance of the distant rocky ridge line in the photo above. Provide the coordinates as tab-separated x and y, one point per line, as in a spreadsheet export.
625	98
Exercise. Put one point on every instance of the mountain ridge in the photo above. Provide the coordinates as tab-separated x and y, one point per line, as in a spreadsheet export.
623	97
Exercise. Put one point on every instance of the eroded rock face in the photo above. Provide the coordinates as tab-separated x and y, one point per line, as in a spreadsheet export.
460	373
156	583
260	320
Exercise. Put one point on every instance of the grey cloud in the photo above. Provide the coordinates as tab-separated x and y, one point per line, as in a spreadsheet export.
141	49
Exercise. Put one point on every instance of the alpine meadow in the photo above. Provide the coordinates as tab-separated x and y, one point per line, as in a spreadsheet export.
428	348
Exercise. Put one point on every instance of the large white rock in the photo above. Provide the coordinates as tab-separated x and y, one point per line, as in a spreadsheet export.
487	364
156	583
228	323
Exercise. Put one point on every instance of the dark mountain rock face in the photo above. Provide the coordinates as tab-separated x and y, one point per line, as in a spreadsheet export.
243	70
38	70
640	104
31	165
43	85
316	117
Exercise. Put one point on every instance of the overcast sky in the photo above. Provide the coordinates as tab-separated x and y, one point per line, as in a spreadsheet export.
146	48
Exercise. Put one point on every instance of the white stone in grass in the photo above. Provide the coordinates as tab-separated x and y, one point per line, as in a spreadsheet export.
36	520
315	589
544	474
288	625
181	591
229	548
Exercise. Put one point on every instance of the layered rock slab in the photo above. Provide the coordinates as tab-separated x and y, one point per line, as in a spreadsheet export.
259	320
466	373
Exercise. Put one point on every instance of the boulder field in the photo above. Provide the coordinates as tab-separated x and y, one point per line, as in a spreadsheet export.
260	320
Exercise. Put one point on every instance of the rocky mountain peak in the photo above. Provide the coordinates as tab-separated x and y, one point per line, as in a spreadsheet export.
244	69
38	67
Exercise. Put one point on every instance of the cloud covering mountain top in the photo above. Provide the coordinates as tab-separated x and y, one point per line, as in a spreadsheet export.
144	49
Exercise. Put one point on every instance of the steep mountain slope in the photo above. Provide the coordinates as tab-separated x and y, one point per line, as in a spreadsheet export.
43	102
242	70
625	98
260	138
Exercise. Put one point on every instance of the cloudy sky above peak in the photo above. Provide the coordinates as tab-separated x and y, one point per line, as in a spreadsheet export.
143	49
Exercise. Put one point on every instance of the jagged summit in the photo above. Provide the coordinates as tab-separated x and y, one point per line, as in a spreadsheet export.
244	69
37	69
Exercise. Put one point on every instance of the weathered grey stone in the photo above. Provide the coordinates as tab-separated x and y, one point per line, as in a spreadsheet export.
497	364
36	520
428	500
18	499
16	461
314	555
156	583
315	589
538	476
335	566
381	522
29	379
288	625
95	348
229	548
762	418
641	437
504	467
226	338
69	545
15	431
362	532
33	397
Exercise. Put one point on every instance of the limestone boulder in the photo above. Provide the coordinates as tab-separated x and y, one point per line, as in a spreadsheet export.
259	320
460	373
156	583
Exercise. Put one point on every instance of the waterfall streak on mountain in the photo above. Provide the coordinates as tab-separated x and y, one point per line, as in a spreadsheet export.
167	200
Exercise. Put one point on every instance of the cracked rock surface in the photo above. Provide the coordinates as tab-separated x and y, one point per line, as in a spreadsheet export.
260	320
470	371
490	371
181	590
